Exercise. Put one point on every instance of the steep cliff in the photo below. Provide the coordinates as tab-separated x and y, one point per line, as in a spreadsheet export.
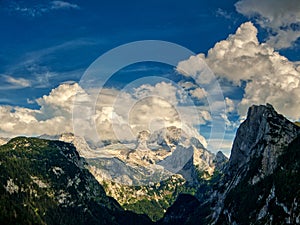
261	181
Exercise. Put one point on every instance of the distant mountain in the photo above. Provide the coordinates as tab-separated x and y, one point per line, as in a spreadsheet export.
45	182
261	182
150	172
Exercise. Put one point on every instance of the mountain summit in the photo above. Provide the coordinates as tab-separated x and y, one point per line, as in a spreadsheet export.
261	181
264	133
261	141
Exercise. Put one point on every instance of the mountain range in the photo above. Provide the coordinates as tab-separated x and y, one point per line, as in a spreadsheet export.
150	172
166	176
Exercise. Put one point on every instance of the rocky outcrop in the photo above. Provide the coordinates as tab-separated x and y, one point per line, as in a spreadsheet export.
264	134
260	140
168	138
260	184
256	160
168	158
142	139
220	161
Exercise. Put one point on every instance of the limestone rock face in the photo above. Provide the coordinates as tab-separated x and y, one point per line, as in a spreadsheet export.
263	134
142	139
220	161
260	140
260	183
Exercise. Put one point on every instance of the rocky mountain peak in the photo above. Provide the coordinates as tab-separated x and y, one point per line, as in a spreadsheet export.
220	160
260	182
169	137
263	134
142	138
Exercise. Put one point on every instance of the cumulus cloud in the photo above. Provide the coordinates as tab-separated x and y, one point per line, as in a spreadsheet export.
147	107
118	115
164	90
280	18
59	102
53	117
195	67
199	93
269	76
230	106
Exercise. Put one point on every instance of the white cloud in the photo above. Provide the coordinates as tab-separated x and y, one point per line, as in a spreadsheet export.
63	5
53	117
280	18
148	107
195	67
269	76
230	106
14	83
199	93
164	90
186	85
21	82
118	114
59	102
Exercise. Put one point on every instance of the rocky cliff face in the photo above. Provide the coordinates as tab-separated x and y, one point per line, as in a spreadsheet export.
264	133
262	179
262	140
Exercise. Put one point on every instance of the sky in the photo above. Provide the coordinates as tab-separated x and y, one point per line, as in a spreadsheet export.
249	47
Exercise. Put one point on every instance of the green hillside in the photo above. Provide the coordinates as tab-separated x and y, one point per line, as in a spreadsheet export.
44	182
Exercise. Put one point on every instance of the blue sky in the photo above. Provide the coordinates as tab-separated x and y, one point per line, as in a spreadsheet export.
47	43
67	40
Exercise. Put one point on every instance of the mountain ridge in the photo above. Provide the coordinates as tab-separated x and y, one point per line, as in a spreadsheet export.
250	189
45	182
171	149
